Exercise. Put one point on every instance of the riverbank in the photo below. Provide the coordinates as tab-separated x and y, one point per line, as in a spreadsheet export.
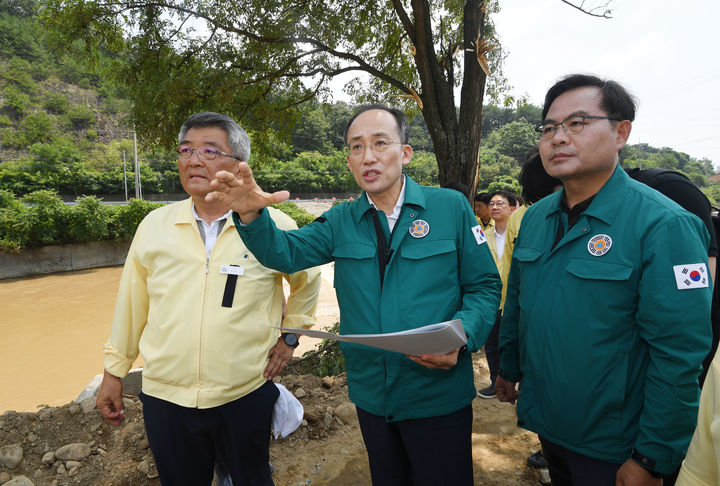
327	450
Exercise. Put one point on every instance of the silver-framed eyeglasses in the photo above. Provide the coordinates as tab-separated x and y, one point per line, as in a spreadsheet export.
203	153
378	146
573	125
497	204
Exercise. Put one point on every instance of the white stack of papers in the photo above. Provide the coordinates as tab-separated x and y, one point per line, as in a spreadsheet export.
440	338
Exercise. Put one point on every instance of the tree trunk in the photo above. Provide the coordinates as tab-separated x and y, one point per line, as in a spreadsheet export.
456	141
471	96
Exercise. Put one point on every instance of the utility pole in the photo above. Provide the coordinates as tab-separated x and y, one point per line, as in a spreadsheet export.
125	174
138	182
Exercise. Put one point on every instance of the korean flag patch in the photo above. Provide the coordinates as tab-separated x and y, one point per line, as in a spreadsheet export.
479	234
691	276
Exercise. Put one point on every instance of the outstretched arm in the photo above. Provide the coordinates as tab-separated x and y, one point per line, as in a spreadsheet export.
241	193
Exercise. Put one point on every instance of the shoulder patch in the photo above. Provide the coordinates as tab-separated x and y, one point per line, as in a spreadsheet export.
479	234
319	219
691	276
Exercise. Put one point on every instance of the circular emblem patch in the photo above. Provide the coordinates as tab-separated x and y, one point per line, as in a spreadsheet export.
419	228
599	245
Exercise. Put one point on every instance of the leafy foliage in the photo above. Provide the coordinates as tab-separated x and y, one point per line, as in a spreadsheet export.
261	59
41	218
300	216
327	360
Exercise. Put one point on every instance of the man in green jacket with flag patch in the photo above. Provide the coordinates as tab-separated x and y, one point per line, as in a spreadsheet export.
607	316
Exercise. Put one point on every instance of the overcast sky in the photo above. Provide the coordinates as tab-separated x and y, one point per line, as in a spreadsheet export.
666	52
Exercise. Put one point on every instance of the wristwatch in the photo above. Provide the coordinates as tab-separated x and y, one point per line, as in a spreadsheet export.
290	339
646	463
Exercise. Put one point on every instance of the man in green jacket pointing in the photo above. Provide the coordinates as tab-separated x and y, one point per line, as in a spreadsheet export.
405	256
607	316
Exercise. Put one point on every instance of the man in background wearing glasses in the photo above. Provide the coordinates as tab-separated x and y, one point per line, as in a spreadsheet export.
502	204
197	305
607	314
405	256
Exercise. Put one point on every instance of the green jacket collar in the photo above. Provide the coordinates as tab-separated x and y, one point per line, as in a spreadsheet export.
607	201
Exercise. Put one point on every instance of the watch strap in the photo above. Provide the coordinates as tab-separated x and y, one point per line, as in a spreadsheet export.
646	463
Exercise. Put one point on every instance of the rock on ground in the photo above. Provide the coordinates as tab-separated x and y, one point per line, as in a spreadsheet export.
327	450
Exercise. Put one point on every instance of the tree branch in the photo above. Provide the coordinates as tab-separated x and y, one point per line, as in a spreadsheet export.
362	65
607	14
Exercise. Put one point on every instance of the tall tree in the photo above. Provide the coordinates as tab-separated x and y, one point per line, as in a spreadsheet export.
258	59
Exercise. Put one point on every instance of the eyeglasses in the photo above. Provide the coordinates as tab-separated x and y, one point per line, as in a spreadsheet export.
203	153
378	146
498	204
572	125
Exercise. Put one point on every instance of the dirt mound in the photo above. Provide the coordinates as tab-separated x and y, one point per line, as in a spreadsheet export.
326	450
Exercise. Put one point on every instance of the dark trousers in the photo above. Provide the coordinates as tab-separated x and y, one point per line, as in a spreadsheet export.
568	468
186	441
433	451
492	351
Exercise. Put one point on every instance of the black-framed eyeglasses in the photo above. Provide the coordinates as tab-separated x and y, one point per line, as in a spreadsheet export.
573	125
203	153
378	145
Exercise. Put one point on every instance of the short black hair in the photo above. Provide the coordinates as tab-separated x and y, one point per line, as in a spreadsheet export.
403	127
458	186
507	195
535	181
616	100
483	197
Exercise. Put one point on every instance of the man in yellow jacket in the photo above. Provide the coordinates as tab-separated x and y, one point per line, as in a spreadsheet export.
701	466
198	306
502	205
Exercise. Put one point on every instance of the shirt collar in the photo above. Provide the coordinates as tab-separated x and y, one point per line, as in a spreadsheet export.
413	197
198	218
398	204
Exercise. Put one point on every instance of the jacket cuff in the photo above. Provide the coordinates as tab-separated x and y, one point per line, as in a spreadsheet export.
115	363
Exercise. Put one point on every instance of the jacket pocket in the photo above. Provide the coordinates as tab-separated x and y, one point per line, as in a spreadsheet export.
599	270
353	262
354	251
526	254
426	249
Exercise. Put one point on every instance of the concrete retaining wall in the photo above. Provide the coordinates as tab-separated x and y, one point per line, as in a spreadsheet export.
53	259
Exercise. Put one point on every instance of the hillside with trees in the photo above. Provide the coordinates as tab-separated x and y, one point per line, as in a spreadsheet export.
66	127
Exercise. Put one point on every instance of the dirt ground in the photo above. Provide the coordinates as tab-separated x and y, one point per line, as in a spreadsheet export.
326	450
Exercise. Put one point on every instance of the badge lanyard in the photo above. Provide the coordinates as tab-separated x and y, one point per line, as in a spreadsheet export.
384	254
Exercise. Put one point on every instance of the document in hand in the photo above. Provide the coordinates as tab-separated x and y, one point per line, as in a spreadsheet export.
440	338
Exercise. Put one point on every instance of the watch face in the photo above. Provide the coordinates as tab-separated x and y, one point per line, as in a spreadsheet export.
291	339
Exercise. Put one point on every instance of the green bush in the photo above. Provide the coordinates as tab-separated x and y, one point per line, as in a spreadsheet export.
327	360
80	116
56	103
16	102
88	220
18	73
37	128
300	216
14	139
13	223
126	219
47	218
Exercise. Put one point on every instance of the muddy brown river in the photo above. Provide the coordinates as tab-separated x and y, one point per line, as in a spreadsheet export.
52	330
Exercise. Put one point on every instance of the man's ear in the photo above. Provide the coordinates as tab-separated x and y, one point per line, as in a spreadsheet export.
622	130
407	154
